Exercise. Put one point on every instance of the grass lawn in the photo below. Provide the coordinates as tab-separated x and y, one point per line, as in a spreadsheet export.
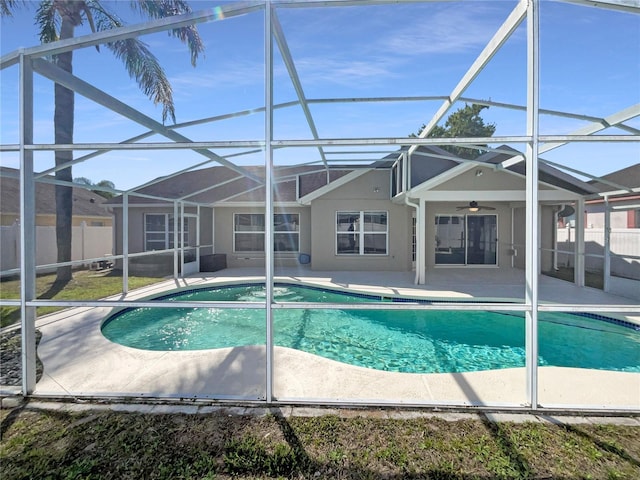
108	445
86	285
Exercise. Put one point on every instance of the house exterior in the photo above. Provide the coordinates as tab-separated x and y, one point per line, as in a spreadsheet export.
87	206
624	204
612	235
91	235
408	211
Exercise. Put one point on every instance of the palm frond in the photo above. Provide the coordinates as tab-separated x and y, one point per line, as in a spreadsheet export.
8	6
48	21
167	8
103	18
142	65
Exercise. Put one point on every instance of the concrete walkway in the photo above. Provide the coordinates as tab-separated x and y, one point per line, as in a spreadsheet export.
79	361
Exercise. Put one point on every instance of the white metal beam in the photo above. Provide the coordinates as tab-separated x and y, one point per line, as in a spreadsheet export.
583	134
175	126
504	32
610	121
629	6
295	79
588	175
607	247
218	13
61	77
27	231
532	211
270	21
344	3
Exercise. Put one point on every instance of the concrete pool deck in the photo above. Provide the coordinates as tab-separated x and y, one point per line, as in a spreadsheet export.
79	361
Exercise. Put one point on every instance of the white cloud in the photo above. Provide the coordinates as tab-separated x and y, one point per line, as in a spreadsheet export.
232	73
450	30
345	71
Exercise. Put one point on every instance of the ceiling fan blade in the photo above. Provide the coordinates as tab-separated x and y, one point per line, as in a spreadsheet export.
486	208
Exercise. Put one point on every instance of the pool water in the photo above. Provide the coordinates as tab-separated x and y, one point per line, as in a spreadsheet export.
413	341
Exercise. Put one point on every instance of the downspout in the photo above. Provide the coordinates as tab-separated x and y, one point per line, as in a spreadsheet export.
175	239
513	237
418	232
607	246
579	244
198	242
181	238
555	237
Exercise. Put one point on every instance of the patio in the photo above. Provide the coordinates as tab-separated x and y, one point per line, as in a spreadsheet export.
79	361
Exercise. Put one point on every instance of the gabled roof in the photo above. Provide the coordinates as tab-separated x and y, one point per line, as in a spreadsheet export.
546	173
432	166
219	185
85	202
435	166
628	177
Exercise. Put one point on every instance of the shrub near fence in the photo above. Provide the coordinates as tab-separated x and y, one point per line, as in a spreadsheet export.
87	242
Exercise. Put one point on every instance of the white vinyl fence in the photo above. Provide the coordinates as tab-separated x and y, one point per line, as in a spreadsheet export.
87	243
624	247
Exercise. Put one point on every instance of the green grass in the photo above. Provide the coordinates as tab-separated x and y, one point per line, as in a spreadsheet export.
108	445
86	285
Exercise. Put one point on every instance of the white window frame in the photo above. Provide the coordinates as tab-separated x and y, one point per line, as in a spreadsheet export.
167	231
293	233
360	231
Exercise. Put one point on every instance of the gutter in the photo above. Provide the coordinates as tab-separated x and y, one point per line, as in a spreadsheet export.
417	207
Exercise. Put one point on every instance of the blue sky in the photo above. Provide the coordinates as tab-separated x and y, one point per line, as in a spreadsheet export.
590	64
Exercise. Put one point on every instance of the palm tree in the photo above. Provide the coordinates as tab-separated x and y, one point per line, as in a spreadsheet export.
57	20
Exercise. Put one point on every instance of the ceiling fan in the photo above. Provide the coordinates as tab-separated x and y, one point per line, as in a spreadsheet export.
474	207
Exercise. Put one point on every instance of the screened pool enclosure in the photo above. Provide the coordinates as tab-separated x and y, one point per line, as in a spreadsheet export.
361	250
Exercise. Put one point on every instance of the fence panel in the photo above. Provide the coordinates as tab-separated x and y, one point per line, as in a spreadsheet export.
86	242
624	244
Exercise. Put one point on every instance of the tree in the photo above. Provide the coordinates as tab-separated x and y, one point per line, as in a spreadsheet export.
57	20
464	122
102	183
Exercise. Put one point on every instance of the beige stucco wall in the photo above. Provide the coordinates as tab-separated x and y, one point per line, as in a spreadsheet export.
223	227
45	220
519	237
360	195
503	212
490	180
494	181
547	234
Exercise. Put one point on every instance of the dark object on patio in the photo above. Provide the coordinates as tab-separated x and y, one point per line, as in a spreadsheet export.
213	263
304	259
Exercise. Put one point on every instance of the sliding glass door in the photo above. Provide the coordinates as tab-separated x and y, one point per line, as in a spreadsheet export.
466	240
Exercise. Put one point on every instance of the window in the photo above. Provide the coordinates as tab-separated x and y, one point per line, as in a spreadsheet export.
158	231
466	240
361	233
286	232
249	230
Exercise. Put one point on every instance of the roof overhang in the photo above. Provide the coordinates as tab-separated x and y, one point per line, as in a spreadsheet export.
307	199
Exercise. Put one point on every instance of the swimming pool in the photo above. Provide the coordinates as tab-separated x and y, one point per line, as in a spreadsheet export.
412	341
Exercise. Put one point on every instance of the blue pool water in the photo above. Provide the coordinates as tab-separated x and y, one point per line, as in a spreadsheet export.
414	341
